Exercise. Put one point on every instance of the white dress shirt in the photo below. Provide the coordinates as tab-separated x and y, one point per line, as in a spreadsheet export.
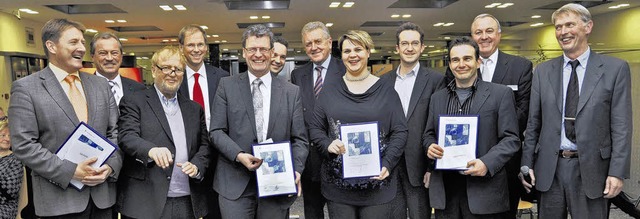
404	86
204	85
490	67
265	89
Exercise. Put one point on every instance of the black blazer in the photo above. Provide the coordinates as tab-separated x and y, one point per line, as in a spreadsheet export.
427	82
143	125
130	86
303	77
515	72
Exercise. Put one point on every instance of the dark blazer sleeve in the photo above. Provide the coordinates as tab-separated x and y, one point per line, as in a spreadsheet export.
621	123
202	157
318	128
220	124
524	92
509	142
130	124
398	131
299	140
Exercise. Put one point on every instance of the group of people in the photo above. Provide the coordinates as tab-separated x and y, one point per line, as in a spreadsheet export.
185	144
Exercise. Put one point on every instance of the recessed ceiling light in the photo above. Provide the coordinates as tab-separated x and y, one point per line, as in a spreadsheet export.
492	5
334	4
28	11
173	40
618	6
266	17
180	7
536	24
122	21
447	24
109	21
447	38
123	39
223	41
406	16
253	17
395	16
217	41
204	27
438	24
348	4
298	51
536	16
165	40
144	57
424	55
505	5
431	46
329	24
92	31
215	35
225	49
208	35
166	7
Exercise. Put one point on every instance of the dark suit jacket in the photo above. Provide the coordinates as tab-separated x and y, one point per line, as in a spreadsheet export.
42	119
303	77
497	142
144	125
603	122
130	86
233	131
213	78
515	72
427	82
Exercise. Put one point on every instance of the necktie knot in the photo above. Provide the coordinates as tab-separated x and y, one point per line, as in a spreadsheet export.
319	68
196	76
70	79
197	94
256	82
112	83
574	64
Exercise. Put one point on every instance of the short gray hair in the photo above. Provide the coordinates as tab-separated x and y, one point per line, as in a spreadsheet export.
257	30
577	9
314	25
489	16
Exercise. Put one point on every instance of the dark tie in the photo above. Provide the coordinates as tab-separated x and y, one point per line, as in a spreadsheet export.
197	91
318	86
571	104
257	107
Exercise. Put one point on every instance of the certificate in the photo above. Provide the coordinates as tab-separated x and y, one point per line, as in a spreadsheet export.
458	136
362	157
276	175
85	143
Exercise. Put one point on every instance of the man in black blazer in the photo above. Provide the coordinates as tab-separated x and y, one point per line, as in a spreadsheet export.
106	53
254	107
513	71
322	70
193	43
414	84
164	138
481	190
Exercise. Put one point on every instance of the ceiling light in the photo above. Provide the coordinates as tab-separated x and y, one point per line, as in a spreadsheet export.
180	7
165	40
266	17
92	31
145	57
348	4
253	17
536	24
122	21
505	5
166	7
334	4
208	35
536	16
424	55
406	16
173	40
329	24
204	27
395	16
109	21
492	5
447	24
618	6
215	35
217	41
123	39
28	11
431	46
438	24
223	41
373	50
447	38
33	12
225	49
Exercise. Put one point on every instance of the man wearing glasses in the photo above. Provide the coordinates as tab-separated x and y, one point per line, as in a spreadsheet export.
250	108
163	136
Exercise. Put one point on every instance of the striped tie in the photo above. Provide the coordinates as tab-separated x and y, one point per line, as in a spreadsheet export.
112	84
318	86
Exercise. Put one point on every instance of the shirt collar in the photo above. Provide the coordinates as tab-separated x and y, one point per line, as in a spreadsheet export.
61	74
117	79
164	99
202	71
452	85
493	57
582	58
325	64
413	72
266	79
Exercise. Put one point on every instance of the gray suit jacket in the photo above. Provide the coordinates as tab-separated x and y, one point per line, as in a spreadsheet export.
428	81
41	120
497	142
233	131
603	122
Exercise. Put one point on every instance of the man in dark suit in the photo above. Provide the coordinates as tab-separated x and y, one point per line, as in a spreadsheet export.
250	108
481	190
579	130
164	138
106	52
200	85
414	84
513	71
311	77
45	108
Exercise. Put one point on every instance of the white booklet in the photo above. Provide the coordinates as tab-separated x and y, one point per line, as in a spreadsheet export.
84	143
276	175
458	136
362	157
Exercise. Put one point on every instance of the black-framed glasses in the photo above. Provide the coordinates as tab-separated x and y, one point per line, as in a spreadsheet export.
168	70
254	50
4	118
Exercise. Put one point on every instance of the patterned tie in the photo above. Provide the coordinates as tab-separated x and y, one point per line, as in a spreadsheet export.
318	86
571	104
112	84
77	100
257	107
197	91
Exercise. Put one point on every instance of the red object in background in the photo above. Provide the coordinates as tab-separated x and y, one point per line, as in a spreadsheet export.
131	73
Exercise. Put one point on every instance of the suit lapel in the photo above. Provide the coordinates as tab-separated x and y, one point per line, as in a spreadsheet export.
481	95
91	95
418	87
245	92
501	68
555	80
592	75
189	119
277	96
307	78
154	102
52	85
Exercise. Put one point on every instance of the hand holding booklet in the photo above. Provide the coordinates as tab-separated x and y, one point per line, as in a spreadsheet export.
85	143
458	136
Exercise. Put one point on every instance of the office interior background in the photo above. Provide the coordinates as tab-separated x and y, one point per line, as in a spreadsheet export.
147	25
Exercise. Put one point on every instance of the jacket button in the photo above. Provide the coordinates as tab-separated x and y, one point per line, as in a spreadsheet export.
168	178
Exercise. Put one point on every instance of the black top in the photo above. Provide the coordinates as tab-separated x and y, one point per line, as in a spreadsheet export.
10	183
337	105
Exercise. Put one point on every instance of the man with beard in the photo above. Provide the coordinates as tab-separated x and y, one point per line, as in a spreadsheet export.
106	52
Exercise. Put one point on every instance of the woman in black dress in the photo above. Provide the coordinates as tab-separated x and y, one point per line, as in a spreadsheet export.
359	97
10	175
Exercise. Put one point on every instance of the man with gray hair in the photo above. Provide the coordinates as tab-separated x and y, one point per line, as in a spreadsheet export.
578	143
254	107
311	77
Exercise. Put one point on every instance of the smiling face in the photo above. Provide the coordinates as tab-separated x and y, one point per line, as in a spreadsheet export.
410	47
194	49
168	84
67	53
354	57
486	33
279	57
5	140
258	53
317	45
107	57
572	34
463	64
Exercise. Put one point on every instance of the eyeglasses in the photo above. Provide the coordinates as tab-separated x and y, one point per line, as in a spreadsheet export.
4	118
253	50
405	44
168	70
4	136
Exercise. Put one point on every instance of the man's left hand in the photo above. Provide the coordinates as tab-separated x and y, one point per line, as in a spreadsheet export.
189	169
298	184
613	187
99	177
476	168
